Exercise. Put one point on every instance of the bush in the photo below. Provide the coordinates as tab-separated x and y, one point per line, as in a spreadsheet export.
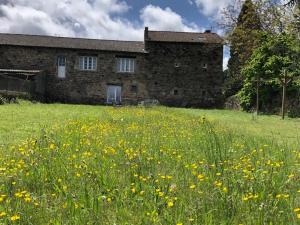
294	112
3	100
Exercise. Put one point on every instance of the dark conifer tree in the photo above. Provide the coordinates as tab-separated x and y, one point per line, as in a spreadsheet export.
243	40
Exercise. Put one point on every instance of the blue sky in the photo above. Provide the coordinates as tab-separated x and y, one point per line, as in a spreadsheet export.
107	19
187	9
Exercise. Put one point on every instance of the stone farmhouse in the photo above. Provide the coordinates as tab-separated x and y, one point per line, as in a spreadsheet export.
174	68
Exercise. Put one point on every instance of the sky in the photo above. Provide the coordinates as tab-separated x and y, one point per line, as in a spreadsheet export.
108	19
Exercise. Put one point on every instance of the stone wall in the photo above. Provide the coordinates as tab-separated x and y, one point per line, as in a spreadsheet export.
78	86
172	73
186	75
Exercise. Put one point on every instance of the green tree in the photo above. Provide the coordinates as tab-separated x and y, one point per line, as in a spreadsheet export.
277	62
293	3
283	63
295	24
243	40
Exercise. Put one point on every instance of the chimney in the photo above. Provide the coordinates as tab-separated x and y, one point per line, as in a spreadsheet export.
207	31
146	33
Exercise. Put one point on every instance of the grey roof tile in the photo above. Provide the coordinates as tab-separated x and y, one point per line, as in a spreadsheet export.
72	43
186	37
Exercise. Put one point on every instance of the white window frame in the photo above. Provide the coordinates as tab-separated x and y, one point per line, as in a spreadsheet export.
126	65
61	66
88	63
116	90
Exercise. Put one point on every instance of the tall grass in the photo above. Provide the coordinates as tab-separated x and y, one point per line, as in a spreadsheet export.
148	166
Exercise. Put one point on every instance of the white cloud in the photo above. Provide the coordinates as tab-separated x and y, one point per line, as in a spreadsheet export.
82	18
103	19
165	19
225	62
190	2
226	52
211	7
29	20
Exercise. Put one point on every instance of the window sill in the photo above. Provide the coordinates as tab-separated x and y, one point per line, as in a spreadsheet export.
87	70
125	72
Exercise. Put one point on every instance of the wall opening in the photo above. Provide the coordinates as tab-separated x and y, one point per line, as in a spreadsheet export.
134	88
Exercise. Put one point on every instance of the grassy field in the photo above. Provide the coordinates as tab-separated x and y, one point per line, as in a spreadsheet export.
103	165
21	121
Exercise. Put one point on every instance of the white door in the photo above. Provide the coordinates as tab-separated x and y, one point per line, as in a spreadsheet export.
61	66
114	94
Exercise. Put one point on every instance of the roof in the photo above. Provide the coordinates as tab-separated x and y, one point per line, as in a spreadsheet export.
186	37
71	43
19	71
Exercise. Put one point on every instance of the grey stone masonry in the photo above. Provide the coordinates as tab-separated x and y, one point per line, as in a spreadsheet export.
177	69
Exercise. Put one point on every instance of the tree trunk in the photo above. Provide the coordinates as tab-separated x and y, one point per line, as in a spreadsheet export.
257	97
285	81
283	99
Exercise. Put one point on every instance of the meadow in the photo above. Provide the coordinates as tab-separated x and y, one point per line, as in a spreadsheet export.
67	164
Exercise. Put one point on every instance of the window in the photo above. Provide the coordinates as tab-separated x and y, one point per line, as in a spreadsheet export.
175	92
134	88
125	65
61	61
114	94
177	65
61	67
88	63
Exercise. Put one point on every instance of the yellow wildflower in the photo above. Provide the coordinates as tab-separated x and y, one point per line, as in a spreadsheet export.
14	218
200	177
245	198
19	194
218	183
291	176
2	214
170	204
27	199
193	186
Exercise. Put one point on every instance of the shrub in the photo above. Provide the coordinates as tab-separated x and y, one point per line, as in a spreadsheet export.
294	112
3	100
